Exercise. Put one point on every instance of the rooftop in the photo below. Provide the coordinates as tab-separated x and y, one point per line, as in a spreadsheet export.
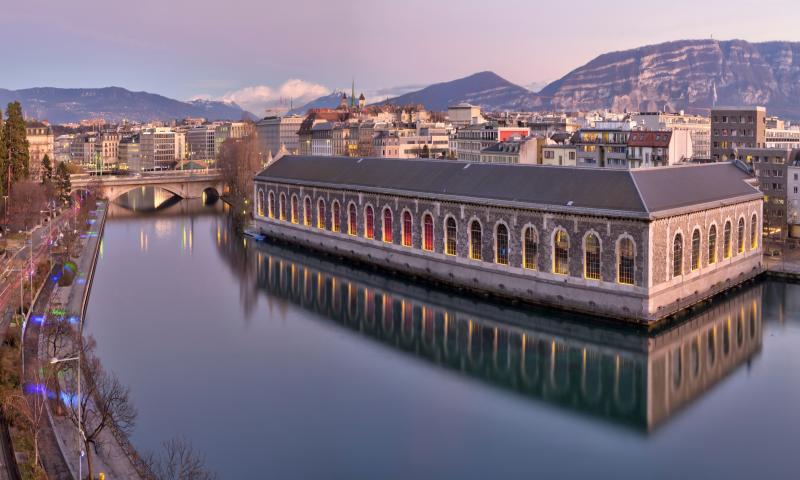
639	193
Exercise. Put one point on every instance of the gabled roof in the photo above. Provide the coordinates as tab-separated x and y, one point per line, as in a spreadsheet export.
642	193
649	138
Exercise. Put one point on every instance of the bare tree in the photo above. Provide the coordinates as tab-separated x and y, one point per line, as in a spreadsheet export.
239	161
179	461
27	200
104	402
28	409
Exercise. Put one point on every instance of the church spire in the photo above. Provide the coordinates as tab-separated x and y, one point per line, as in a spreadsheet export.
353	94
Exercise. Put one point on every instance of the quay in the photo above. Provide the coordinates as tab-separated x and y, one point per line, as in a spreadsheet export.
632	245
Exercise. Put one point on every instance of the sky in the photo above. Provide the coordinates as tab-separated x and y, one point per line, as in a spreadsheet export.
256	52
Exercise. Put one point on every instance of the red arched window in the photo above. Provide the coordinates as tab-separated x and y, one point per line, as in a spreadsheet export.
271	205
352	220
321	214
387	225
282	206
307	212
336	221
369	223
260	203
406	229
427	232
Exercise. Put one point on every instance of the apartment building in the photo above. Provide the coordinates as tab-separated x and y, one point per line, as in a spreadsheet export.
793	197
274	132
559	154
40	143
602	147
735	128
694	144
520	150
201	143
469	141
157	148
770	167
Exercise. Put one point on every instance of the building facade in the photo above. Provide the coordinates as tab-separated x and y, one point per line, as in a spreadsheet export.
533	233
40	143
770	167
274	132
157	148
736	128
561	155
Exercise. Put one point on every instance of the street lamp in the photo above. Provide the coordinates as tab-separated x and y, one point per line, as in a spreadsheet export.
81	437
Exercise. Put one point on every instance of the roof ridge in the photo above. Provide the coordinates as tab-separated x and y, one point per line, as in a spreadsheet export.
638	190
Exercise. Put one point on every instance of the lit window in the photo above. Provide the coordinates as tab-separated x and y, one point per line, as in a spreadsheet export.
561	253
294	209
726	241
282	206
450	232
387	225
530	248
695	250
475	240
501	245
321	214
754	232
740	236
592	257
427	232
307	212
336	219
406	229
260	203
677	256
625	261
369	223
712	245
352	220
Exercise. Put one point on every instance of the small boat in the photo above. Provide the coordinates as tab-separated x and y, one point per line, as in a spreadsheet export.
255	234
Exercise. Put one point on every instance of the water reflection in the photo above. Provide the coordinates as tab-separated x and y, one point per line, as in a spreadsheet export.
631	378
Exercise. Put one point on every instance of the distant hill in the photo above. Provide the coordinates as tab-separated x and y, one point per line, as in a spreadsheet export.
485	89
326	101
682	75
66	105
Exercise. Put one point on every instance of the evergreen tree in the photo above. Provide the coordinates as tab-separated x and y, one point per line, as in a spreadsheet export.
63	183
15	142
47	169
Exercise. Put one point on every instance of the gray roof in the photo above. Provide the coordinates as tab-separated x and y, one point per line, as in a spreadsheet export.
642	193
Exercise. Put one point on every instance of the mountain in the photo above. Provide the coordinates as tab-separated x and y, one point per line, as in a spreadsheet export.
682	75
326	101
66	105
485	89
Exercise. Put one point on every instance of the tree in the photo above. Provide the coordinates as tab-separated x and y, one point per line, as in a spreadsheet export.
104	402
426	152
25	204
179	461
28	409
47	169
63	182
15	145
239	161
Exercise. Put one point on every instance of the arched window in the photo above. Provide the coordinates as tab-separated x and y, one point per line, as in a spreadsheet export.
427	232
677	255
530	248
591	261
352	220
740	237
369	222
271	205
321	214
561	253
754	232
475	240
295	207
260	203
501	245
387	225
726	241
625	261
695	249
450	232
712	244
406	229
336	218
307	212
282	206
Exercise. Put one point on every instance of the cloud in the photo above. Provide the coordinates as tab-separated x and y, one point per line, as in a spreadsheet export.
257	98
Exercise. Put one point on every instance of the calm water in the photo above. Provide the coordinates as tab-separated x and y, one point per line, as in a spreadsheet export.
281	364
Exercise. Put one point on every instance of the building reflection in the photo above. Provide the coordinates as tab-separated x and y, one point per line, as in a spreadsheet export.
629	377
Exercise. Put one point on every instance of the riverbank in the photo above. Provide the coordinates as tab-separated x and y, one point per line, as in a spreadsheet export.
67	303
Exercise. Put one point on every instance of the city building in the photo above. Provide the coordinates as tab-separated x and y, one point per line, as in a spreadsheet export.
602	147
224	131
61	147
130	155
736	127
321	139
526	150
40	143
793	197
340	139
106	153
782	137
157	148
464	114
469	141
695	144
201	143
658	148
598	241
770	168
559	154
275	131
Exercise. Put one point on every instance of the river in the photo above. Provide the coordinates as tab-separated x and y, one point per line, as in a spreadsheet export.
279	363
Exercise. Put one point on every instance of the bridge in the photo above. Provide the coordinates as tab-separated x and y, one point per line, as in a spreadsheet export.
183	184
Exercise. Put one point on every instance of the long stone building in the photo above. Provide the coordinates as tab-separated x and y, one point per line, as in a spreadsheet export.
637	245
